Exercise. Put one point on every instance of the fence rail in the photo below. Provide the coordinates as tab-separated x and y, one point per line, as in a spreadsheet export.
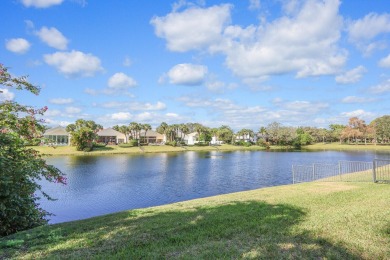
381	171
342	171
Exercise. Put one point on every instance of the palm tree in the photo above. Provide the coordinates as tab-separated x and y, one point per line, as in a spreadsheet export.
146	128
184	129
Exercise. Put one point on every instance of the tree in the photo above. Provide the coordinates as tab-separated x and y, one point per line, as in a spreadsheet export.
83	133
21	167
225	134
382	128
146	128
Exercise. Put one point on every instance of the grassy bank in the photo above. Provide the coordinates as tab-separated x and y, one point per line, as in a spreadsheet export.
350	147
114	149
310	221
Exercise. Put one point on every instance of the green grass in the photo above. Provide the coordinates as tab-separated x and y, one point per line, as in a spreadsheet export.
114	149
303	221
354	147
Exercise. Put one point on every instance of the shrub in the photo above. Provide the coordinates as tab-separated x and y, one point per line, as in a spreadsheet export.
97	145
263	143
173	143
202	144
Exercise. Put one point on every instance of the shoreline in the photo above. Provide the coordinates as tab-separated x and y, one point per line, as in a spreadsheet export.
114	149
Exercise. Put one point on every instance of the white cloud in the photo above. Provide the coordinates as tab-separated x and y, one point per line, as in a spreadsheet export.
254	4
53	38
187	74
369	27
52	112
381	88
358	113
304	42
72	110
135	106
194	28
121	116
364	32
74	63
354	99
351	76
18	45
385	62
61	101
5	95
41	3
121	81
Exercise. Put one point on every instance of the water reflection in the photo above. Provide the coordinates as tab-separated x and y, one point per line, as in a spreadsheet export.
104	184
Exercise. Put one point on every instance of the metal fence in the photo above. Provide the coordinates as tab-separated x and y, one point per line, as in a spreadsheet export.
342	171
381	171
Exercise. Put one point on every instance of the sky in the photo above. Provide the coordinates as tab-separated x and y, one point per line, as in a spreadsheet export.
244	63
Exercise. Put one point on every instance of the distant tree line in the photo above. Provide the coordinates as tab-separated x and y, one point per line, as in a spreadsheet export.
83	133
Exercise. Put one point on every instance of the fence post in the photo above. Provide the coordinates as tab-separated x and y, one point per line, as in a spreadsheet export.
313	172
340	171
374	170
293	174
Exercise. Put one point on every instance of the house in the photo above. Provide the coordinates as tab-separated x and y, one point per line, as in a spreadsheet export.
151	137
191	138
57	136
246	138
110	136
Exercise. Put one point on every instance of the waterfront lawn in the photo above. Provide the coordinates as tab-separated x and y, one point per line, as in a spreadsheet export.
303	221
355	147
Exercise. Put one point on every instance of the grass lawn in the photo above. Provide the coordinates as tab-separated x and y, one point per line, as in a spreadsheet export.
114	149
304	221
355	147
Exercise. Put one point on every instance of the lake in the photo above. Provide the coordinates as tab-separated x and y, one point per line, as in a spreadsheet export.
105	184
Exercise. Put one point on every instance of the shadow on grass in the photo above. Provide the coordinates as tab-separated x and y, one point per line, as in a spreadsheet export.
236	230
104	148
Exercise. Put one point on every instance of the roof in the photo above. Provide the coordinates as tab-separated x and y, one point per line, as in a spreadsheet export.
109	132
150	133
59	130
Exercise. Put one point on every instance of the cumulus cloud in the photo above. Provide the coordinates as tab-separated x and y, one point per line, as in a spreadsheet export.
385	62
121	81
5	94
53	37
135	106
354	99
74	63
369	27
351	76
254	4
225	111
358	113
41	3
193	28
72	110
121	116
304	42
364	32
17	45
381	88
187	74
61	101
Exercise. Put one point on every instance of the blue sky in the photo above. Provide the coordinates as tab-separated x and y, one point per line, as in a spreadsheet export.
240	63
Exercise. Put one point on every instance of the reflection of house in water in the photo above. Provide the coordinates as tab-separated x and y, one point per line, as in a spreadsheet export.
110	136
57	136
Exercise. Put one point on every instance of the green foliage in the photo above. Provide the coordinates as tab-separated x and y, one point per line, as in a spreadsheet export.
263	143
205	137
173	143
131	143
83	138
21	167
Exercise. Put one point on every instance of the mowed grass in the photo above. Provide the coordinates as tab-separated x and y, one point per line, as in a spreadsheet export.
352	147
115	149
304	221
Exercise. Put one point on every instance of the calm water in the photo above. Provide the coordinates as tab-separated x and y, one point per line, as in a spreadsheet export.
100	185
